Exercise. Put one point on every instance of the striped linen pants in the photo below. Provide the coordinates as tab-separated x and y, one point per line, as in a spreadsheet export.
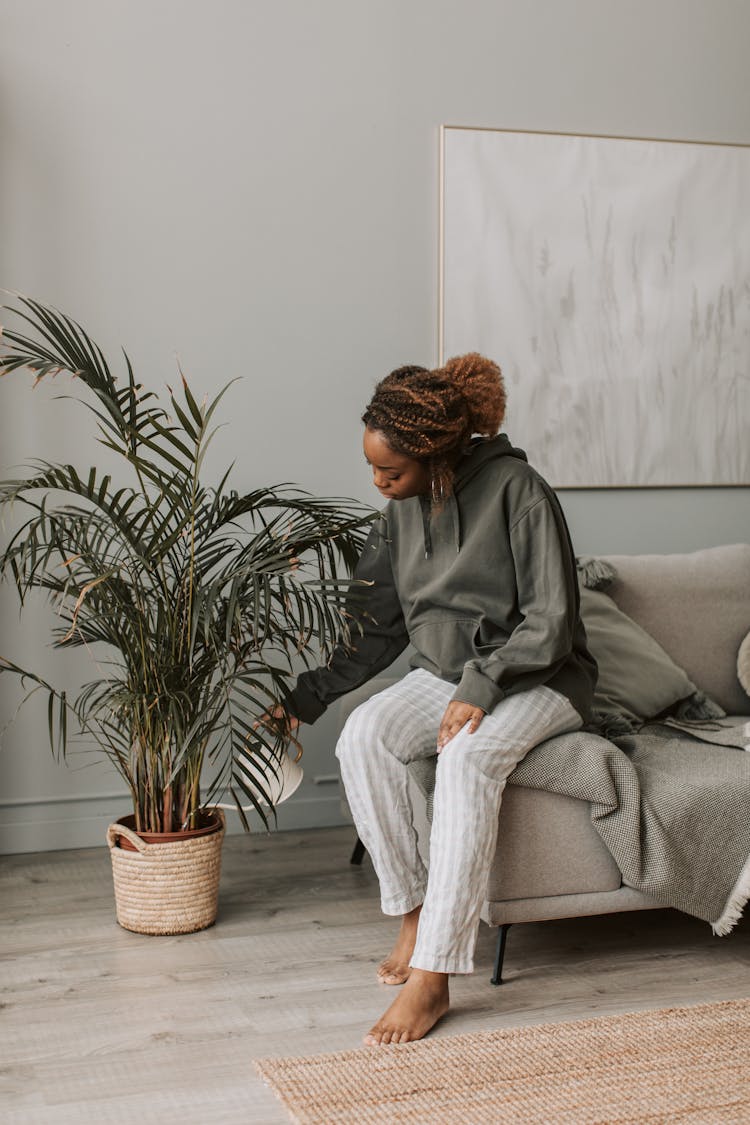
399	726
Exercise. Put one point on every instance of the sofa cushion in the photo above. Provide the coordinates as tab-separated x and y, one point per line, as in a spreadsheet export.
637	678
743	665
697	606
547	845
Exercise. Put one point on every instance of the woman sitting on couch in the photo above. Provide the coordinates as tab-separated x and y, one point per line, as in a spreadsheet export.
471	563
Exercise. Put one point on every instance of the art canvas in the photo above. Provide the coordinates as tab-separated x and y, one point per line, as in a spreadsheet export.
610	278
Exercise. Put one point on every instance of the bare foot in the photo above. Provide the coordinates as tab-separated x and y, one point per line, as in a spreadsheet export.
415	1010
395	968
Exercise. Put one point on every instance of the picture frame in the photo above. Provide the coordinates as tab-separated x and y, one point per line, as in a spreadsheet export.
610	279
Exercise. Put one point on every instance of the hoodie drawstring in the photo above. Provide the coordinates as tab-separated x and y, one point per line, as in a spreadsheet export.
450	511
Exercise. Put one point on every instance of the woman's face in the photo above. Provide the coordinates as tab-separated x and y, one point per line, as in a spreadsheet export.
396	476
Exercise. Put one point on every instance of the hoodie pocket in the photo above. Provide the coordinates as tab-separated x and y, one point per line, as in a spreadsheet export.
446	643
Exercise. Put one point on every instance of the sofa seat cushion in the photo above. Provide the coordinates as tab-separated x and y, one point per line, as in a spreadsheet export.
547	846
697	606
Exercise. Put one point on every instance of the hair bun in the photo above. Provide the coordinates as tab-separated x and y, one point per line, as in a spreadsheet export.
480	382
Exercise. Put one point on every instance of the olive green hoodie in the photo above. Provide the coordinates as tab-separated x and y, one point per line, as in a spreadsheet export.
485	590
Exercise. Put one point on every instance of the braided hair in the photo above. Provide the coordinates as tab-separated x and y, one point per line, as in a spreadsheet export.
431	415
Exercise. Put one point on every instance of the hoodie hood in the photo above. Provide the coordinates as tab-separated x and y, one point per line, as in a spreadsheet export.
479	452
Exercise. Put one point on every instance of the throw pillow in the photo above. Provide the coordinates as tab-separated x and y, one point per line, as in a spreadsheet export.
637	680
743	664
697	606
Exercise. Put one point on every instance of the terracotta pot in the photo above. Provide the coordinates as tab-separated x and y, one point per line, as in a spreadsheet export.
209	822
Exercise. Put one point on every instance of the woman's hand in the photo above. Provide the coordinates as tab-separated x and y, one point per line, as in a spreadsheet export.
278	720
456	716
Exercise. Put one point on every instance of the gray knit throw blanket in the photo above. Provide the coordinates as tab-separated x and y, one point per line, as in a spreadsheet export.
672	807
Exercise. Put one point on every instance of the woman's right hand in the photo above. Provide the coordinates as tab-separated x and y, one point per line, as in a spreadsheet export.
278	720
280	723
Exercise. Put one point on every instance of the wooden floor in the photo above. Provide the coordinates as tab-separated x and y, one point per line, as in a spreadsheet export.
99	1025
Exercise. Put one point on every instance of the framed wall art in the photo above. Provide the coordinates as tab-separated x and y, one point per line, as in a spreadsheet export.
610	279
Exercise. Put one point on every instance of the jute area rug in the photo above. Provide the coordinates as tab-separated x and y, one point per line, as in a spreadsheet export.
671	1065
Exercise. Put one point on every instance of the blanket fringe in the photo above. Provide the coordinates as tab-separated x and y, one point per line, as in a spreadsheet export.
595	574
697	707
735	903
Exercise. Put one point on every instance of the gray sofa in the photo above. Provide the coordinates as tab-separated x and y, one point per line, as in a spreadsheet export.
550	862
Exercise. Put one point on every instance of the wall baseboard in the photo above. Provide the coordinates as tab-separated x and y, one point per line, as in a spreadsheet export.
56	824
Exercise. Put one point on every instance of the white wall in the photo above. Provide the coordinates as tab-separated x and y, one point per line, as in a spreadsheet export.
253	187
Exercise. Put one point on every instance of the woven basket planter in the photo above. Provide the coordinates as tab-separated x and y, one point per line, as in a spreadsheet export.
167	887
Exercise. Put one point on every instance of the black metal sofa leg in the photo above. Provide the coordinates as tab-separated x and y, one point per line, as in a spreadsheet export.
502	934
358	853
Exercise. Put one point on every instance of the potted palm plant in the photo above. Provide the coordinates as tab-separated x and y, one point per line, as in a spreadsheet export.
197	601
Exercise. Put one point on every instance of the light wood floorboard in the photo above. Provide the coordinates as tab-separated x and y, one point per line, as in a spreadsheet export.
98	1025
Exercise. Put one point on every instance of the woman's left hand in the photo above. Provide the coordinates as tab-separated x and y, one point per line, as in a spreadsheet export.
456	716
